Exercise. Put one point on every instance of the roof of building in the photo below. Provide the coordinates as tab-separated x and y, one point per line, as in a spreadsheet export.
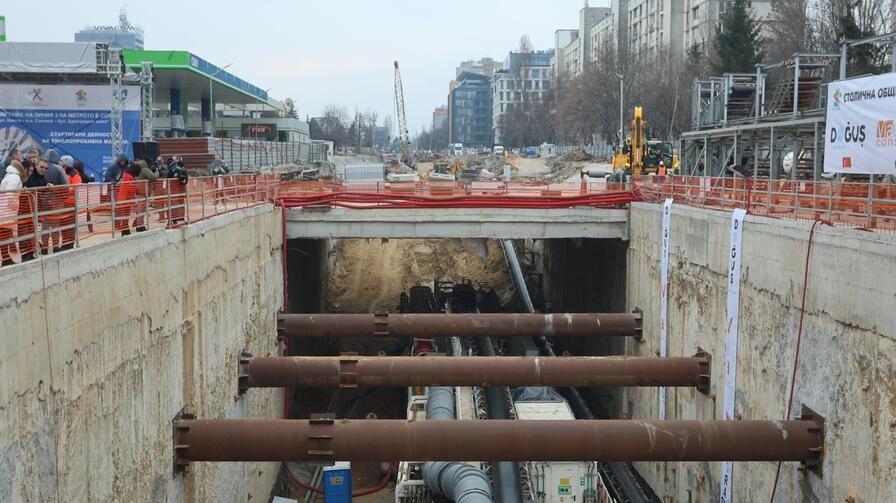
192	74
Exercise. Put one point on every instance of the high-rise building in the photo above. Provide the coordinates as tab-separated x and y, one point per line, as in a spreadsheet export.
484	66
573	56
122	36
562	39
525	76
470	105
605	35
643	27
701	17
439	117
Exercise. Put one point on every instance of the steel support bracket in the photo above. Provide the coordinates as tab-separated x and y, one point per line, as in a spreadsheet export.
320	445
381	324
639	322
815	462
706	370
243	372
281	329
348	370
181	451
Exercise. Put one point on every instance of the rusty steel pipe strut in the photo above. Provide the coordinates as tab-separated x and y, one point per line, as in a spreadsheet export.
460	325
350	371
326	440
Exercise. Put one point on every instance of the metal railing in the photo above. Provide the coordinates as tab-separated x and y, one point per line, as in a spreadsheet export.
46	220
861	205
246	155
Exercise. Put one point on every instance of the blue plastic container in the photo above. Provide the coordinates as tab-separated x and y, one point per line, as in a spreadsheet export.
338	483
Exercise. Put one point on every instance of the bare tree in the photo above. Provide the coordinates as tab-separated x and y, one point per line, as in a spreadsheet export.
387	123
871	16
788	29
335	123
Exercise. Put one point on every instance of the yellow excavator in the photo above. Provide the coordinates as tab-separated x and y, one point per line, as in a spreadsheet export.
642	157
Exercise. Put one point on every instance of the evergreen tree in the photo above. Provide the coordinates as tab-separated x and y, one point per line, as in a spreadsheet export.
738	44
862	59
315	131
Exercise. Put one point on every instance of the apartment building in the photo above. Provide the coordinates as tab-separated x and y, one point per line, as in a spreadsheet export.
655	24
562	39
605	34
702	16
572	58
525	76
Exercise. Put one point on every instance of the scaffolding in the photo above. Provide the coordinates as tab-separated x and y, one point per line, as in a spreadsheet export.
109	62
779	135
775	135
146	97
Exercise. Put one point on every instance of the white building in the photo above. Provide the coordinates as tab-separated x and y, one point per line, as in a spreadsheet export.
573	57
702	16
525	76
605	34
655	24
644	27
562	38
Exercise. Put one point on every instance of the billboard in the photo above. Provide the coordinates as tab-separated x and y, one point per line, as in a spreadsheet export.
264	132
861	137
73	119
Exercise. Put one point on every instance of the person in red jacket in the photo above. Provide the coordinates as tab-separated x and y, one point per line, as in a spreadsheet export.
70	217
125	194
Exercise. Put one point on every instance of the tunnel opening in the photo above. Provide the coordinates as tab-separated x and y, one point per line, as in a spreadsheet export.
407	275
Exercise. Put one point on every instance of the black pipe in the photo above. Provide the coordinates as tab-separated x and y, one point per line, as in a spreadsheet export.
505	474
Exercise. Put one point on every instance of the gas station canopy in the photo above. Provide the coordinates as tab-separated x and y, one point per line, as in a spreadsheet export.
191	74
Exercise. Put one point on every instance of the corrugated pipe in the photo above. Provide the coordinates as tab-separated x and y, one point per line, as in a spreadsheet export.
458	482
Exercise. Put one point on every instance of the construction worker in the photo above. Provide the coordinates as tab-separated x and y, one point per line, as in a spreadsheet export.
661	170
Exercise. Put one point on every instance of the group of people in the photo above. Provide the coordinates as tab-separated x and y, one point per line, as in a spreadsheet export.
55	205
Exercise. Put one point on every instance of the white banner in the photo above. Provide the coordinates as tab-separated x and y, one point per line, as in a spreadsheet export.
65	97
737	228
861	135
664	295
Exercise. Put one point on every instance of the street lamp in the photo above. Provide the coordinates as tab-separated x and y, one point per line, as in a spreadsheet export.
621	105
211	100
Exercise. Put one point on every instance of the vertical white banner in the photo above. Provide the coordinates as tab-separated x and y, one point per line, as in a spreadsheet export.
664	295
734	253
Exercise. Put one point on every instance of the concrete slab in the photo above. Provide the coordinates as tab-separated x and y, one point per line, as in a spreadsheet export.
496	223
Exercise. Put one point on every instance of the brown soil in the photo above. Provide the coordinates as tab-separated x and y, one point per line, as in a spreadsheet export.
368	276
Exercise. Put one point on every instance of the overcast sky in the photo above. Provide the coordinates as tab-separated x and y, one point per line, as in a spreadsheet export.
321	52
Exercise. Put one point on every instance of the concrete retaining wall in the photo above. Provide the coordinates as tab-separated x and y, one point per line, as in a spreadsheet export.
847	369
103	346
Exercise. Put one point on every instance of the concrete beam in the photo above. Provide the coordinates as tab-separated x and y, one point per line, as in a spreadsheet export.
495	223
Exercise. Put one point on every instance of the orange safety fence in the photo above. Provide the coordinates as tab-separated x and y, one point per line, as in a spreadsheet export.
48	220
453	189
861	205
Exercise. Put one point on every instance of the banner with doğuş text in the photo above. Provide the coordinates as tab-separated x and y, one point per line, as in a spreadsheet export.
861	137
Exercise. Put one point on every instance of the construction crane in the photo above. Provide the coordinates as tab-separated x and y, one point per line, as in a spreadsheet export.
403	136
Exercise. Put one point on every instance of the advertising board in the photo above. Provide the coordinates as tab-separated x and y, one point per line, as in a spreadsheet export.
73	119
861	136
